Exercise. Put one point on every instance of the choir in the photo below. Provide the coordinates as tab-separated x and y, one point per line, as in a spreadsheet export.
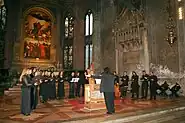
47	85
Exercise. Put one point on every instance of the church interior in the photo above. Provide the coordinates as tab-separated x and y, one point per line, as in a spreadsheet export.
76	35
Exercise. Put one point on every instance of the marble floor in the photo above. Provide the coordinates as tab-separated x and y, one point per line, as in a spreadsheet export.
73	109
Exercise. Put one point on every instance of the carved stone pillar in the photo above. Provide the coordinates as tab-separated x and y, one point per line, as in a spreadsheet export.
96	39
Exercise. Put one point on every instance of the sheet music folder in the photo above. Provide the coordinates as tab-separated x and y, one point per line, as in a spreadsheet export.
75	80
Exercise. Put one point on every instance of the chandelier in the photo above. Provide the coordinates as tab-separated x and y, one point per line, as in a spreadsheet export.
171	35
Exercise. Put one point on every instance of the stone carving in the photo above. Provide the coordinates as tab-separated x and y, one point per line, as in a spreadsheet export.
128	31
165	74
161	71
133	45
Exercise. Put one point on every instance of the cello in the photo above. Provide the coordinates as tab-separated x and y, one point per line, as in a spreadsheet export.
117	90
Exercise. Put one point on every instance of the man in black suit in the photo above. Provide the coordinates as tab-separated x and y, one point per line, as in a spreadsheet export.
153	85
144	89
107	87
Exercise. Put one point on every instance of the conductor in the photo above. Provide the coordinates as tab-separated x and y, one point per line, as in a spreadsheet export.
107	87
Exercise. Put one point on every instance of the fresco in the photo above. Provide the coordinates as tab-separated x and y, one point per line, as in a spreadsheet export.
37	35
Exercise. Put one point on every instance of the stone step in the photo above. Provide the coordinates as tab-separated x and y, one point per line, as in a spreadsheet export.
19	84
12	94
14	89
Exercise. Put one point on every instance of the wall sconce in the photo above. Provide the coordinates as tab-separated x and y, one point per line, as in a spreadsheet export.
171	37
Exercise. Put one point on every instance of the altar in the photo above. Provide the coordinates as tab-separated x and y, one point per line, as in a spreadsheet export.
94	100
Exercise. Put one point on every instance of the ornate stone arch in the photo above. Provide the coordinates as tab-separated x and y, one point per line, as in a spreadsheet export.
68	11
38	8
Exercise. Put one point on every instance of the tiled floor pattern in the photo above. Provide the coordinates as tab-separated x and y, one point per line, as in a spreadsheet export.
73	109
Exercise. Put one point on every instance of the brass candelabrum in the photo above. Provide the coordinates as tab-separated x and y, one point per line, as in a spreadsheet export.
171	36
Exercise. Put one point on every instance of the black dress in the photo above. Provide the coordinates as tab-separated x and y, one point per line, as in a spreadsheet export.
26	95
44	89
71	87
52	88
35	92
135	86
124	85
61	91
41	90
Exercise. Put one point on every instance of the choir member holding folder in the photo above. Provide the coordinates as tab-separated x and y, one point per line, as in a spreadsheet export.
26	92
71	81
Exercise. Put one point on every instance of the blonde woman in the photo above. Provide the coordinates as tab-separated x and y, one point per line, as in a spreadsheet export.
25	92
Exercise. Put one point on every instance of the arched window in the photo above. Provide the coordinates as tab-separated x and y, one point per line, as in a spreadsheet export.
88	39
3	17
68	42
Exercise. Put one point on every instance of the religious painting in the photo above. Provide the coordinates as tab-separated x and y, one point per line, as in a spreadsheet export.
37	39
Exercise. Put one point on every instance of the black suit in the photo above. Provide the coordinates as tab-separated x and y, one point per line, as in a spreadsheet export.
81	83
135	86
144	89
153	86
107	87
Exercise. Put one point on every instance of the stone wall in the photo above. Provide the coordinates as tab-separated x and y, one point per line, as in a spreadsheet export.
160	50
15	28
108	44
12	33
104	11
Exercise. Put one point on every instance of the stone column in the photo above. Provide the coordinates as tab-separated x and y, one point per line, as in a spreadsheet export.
57	41
181	42
10	34
145	50
96	39
78	45
181	45
116	51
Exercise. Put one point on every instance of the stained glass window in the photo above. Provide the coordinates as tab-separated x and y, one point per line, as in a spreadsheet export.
2	18
69	26
68	42
88	39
